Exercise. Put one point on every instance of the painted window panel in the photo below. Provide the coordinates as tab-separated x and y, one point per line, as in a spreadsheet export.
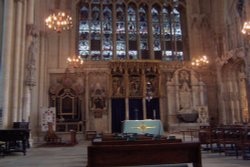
96	19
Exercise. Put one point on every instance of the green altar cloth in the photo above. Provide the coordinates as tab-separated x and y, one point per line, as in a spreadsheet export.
153	127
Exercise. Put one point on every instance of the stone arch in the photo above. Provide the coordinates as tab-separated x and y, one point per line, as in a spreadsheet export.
66	94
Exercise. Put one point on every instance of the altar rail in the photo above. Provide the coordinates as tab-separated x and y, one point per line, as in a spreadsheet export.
144	154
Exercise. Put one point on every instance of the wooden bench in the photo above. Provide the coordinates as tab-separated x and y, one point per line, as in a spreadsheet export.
144	154
124	136
125	142
15	140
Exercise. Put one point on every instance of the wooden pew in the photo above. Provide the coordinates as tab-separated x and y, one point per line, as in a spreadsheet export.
12	139
110	136
125	142
144	154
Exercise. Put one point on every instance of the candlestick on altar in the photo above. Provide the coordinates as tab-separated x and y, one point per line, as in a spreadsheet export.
154	114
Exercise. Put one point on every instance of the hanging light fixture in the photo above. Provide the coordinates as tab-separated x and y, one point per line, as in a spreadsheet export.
74	62
200	61
246	28
59	21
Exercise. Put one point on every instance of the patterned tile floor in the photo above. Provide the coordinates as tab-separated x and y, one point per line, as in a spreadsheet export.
76	156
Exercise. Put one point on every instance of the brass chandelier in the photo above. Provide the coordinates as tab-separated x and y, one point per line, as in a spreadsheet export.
74	62
246	28
200	61
59	21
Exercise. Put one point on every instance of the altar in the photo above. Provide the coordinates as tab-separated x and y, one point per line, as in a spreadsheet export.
153	127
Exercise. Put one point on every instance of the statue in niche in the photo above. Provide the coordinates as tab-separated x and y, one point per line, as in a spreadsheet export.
153	82
98	98
135	86
185	92
117	86
32	55
203	114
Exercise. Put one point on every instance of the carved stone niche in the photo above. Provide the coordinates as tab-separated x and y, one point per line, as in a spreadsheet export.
98	93
66	94
186	92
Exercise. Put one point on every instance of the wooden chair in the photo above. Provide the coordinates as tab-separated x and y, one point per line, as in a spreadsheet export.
205	136
231	140
90	134
245	145
2	148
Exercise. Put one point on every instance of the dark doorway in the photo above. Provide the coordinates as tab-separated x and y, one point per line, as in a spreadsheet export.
118	114
135	109
153	109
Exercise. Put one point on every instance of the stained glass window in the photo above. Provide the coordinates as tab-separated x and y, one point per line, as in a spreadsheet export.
126	30
84	32
172	34
120	31
132	32
107	30
156	28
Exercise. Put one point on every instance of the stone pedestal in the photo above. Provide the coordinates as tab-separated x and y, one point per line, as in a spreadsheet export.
184	126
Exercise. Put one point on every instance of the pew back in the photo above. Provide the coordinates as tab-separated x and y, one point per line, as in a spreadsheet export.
144	154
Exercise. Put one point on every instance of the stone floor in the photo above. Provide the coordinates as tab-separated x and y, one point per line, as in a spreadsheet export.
76	156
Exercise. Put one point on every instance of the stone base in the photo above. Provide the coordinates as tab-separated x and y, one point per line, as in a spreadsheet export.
184	126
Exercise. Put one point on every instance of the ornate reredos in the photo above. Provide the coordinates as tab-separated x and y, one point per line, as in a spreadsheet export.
66	81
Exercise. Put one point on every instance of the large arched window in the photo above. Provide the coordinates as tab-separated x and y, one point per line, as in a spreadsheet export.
122	30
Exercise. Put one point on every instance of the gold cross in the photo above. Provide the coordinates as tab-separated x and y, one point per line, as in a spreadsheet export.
142	127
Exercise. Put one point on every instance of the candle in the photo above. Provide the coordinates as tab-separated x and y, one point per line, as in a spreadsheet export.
136	114
154	114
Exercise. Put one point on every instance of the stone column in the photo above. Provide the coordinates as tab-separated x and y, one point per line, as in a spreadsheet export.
17	58
22	60
8	23
171	102
202	94
31	52
30	80
144	108
126	96
177	95
237	108
247	67
1	78
88	117
26	104
221	100
42	71
248	90
30	15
